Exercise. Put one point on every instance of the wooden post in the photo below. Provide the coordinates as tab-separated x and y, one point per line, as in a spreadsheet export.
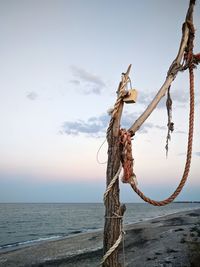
112	227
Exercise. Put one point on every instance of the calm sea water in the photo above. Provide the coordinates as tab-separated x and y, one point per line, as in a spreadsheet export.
22	224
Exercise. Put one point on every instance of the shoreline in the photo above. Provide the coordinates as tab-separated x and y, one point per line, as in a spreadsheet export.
161	239
23	244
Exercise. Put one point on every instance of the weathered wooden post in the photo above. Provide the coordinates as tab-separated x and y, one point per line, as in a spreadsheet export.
113	210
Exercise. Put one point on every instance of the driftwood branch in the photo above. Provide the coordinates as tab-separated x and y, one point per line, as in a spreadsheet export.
116	125
172	72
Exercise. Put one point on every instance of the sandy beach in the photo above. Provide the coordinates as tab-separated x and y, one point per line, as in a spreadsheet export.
172	240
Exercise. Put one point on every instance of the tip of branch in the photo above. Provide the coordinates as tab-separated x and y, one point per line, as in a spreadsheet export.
128	70
189	15
192	2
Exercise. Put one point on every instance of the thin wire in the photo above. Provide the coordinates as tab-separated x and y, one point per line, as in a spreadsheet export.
97	155
123	249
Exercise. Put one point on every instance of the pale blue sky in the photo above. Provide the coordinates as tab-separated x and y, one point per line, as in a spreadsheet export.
61	63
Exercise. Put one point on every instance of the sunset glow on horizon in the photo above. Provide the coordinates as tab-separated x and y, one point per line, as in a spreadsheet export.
61	62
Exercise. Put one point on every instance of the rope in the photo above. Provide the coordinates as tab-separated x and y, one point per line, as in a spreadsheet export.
109	187
170	124
126	156
118	241
113	248
190	62
189	153
97	155
121	95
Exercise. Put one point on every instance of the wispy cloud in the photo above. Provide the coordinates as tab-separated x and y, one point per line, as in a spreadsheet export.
76	82
96	126
180	132
92	84
32	95
177	96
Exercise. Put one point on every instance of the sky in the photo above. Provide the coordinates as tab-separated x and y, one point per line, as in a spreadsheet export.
61	63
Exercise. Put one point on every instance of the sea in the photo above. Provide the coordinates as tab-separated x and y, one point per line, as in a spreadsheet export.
23	224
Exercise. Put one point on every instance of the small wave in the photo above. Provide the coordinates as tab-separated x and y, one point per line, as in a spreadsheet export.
57	234
22	243
75	232
50	236
83	230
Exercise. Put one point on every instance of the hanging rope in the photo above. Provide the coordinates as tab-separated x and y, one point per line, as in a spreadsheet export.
170	124
97	155
191	61
126	156
188	158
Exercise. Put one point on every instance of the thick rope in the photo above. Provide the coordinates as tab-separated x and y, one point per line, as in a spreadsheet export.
126	156
118	241
121	95
113	248
189	153
109	187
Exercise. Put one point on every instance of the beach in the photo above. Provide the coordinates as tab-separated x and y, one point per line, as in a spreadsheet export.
171	240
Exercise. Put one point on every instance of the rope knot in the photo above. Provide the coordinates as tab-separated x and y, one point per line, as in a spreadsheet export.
126	156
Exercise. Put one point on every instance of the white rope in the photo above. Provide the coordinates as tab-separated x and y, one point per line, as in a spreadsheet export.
116	216
112	182
113	248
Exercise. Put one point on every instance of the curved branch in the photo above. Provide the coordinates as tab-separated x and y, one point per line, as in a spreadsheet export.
172	72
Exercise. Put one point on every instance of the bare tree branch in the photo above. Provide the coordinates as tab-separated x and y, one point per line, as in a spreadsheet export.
172	72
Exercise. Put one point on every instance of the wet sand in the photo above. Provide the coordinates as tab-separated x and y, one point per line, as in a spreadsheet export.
172	240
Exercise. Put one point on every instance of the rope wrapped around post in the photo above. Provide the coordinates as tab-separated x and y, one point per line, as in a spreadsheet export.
117	243
113	134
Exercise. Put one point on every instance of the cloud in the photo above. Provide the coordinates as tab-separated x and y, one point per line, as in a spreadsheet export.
146	98
97	126
92	84
32	95
180	132
76	82
177	96
180	97
94	126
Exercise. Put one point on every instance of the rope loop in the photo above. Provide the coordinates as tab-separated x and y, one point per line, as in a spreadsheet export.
127	159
